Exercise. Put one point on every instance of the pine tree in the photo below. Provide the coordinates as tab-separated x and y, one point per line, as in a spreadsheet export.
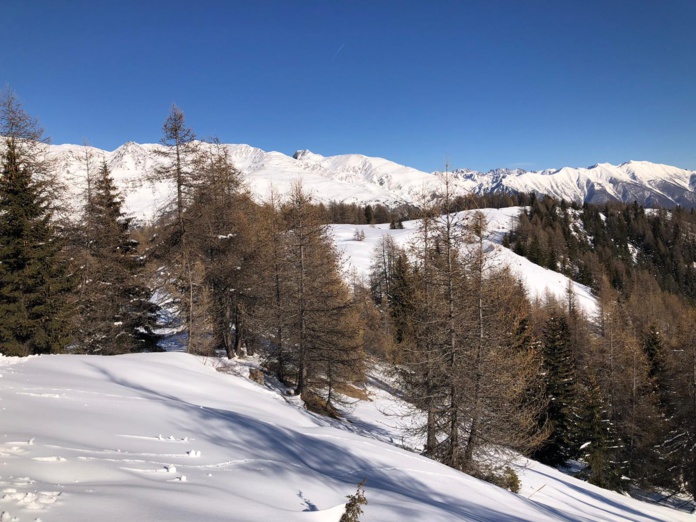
33	279
600	445
115	309
354	504
560	383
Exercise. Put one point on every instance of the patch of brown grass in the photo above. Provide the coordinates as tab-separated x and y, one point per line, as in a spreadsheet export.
317	404
353	392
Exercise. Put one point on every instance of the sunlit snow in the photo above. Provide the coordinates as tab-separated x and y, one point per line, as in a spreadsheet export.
540	282
165	436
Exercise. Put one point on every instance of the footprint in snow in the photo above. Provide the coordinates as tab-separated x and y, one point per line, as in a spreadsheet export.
50	459
35	501
168	469
23	481
18	446
160	437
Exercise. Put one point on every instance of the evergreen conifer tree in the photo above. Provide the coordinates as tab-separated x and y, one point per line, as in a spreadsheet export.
354	504
560	380
116	312
600	445
33	276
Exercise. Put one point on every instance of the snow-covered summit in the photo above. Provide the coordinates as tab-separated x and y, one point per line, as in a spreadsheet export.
355	178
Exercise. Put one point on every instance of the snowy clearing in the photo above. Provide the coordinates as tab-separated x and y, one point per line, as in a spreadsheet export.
539	281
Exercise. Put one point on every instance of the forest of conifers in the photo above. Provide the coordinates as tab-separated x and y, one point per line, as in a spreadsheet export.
486	368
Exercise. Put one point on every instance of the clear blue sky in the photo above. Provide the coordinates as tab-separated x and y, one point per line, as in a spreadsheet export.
535	84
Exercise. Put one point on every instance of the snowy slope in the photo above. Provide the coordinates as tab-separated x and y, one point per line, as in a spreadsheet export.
153	437
539	281
354	178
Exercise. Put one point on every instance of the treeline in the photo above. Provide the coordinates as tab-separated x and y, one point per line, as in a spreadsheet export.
338	212
624	241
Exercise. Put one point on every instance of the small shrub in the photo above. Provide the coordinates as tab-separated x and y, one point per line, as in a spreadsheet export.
510	480
358	235
353	506
505	478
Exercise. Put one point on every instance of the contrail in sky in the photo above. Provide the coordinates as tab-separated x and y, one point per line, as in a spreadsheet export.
339	50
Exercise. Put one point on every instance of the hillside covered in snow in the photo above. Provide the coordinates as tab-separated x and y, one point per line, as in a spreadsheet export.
539	282
167	437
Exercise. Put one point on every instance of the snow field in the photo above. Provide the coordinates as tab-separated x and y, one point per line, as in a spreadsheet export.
164	436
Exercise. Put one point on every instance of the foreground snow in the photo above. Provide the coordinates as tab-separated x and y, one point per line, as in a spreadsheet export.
166	437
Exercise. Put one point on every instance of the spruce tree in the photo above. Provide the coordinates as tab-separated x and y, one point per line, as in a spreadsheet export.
600	445
33	276
115	309
560	383
354	504
654	350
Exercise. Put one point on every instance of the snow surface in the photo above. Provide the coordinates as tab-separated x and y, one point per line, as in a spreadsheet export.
540	282
165	436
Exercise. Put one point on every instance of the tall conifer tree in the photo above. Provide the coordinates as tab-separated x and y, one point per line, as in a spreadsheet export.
33	280
116	312
561	389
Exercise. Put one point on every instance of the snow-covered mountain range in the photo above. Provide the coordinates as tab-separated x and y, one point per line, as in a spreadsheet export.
354	178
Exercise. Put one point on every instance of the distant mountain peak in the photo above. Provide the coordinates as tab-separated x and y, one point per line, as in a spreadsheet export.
355	178
307	155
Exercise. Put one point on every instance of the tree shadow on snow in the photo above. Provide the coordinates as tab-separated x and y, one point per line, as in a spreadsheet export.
330	461
598	500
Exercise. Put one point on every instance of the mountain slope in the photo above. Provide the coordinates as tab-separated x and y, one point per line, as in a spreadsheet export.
540	282
354	178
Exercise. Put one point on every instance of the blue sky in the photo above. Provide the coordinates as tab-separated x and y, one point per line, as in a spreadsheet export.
484	84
